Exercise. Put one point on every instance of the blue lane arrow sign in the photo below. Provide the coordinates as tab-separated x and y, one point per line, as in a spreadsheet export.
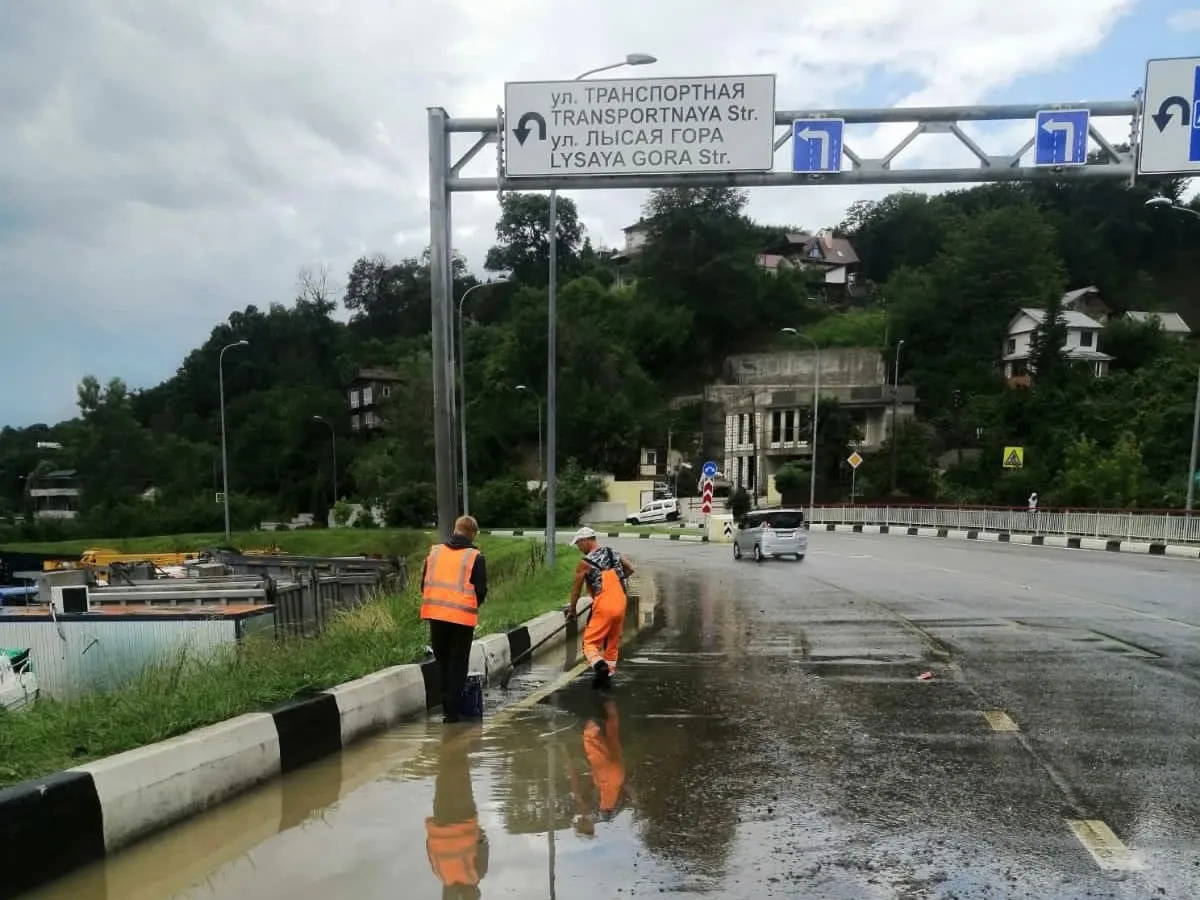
1194	144
1062	137
817	145
710	469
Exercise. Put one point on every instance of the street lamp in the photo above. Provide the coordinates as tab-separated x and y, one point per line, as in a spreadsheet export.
812	457
462	393
224	451
528	390
333	443
1167	203
633	59
895	408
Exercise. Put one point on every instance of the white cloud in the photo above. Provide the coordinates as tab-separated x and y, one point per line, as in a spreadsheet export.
168	161
1184	20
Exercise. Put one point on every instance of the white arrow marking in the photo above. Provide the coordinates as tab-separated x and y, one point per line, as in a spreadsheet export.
1050	126
810	134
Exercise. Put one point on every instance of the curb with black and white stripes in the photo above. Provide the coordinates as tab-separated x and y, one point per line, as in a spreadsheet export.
52	825
687	537
1111	545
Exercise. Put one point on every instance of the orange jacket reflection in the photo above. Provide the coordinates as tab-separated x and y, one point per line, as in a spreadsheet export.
457	846
602	746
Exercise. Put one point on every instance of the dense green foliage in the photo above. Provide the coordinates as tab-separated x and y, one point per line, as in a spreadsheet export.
944	274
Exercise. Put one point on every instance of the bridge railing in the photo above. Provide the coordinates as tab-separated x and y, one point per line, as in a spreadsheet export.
1170	527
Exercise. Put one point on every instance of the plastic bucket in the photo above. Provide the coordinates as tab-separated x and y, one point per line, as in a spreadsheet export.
472	697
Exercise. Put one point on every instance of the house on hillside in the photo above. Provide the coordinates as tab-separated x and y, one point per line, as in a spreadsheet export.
635	238
833	257
1088	301
1082	344
365	394
54	495
1171	323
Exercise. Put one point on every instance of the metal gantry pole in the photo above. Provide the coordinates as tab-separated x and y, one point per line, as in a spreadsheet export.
224	448
1191	488
552	382
439	275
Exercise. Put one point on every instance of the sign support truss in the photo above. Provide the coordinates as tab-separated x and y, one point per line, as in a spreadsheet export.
446	179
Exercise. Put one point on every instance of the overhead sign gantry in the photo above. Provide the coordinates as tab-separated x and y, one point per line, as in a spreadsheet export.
725	130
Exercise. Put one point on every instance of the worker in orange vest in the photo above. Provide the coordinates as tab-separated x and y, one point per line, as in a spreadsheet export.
457	846
604	571
453	587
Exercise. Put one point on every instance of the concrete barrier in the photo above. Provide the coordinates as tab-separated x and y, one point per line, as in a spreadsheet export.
720	529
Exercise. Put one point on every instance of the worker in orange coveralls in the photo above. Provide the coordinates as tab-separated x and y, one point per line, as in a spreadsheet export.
456	844
604	571
602	746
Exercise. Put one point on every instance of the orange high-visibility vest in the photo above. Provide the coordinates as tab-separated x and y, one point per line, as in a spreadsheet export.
447	593
453	851
612	592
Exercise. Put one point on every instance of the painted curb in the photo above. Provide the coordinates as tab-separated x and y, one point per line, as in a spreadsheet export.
683	536
1110	545
52	825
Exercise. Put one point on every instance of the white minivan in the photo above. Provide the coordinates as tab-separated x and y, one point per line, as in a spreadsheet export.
766	533
654	512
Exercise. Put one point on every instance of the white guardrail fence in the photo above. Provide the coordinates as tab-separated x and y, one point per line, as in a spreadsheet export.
1164	527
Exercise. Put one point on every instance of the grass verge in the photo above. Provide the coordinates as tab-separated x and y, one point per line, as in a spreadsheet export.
173	696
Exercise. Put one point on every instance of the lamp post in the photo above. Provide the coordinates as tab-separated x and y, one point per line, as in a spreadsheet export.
528	390
1167	203
224	451
812	459
633	59
333	448
895	408
462	394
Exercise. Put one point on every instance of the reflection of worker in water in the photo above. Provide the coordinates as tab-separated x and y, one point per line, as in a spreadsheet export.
457	846
602	746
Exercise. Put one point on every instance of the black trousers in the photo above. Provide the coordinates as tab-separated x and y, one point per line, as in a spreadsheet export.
451	645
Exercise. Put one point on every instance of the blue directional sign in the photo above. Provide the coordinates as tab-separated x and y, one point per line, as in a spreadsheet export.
817	145
710	469
1062	137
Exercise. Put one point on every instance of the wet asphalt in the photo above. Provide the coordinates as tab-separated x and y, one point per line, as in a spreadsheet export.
894	717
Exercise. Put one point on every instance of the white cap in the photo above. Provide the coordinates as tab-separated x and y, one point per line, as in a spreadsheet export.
583	534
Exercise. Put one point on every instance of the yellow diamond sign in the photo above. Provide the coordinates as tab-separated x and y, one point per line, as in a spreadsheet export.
855	460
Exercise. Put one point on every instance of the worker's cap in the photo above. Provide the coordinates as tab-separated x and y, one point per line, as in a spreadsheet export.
583	534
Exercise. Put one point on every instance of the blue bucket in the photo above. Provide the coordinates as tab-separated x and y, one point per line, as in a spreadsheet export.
472	697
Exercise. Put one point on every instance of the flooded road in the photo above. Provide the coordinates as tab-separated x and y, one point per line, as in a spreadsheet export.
891	718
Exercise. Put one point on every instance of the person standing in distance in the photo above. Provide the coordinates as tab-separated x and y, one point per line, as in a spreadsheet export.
605	572
453	587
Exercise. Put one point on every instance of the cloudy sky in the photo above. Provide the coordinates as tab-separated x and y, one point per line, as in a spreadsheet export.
167	161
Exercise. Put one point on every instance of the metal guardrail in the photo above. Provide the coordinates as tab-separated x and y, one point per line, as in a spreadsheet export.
1167	528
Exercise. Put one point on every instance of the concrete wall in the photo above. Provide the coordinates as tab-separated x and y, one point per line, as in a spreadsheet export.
840	367
627	492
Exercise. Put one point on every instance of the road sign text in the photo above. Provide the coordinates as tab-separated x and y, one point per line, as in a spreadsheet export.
636	127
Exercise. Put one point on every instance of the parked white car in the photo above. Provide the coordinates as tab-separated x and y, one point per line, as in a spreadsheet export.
655	512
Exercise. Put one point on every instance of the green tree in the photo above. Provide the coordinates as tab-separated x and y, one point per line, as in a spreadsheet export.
523	242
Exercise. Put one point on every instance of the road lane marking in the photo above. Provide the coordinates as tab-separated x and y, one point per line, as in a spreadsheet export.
1106	848
1000	720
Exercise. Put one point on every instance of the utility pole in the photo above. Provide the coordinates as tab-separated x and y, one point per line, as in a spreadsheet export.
895	409
633	59
1191	488
224	449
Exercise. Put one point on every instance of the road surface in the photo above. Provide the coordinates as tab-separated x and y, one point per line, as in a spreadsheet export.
773	736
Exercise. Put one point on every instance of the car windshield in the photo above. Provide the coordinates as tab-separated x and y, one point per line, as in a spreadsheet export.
784	519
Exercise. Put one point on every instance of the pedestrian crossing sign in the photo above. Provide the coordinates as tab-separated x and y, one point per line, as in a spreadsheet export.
1014	457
